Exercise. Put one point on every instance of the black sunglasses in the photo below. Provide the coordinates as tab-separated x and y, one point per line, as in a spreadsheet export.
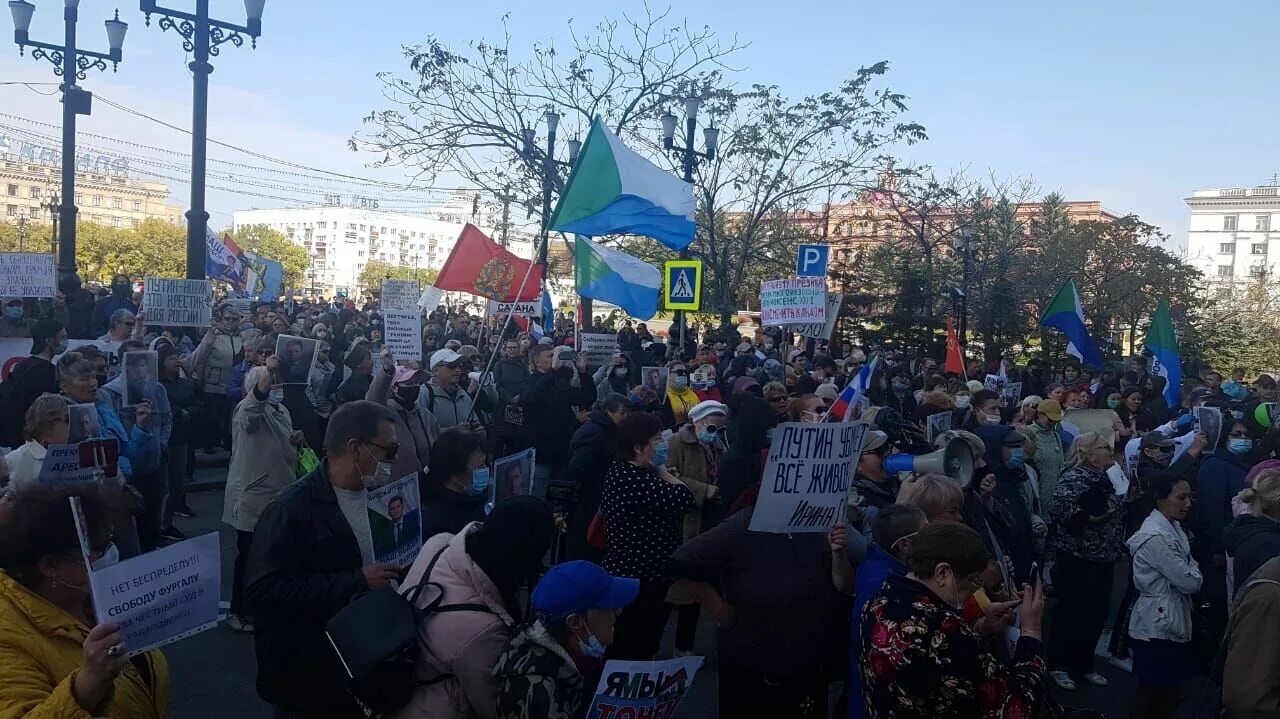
389	451
680	372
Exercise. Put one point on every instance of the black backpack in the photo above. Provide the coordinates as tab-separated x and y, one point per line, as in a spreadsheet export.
375	639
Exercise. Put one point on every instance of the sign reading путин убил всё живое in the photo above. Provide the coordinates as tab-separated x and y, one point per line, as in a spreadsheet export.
805	485
177	303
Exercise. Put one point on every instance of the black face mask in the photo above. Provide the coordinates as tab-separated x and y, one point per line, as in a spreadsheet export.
120	291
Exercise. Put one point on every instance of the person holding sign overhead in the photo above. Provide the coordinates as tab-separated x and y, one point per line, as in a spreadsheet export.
56	658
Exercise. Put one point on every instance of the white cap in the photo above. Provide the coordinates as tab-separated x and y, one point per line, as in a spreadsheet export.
446	356
707	408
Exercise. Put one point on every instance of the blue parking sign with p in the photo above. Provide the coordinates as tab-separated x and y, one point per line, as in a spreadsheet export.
811	260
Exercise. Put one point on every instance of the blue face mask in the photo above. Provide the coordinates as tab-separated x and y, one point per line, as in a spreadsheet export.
276	396
13	313
660	458
706	437
682	381
480	481
1016	458
1238	446
591	647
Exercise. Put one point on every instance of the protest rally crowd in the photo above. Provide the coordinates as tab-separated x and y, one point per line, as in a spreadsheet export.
1144	519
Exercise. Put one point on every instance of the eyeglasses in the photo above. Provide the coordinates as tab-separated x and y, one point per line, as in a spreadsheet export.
389	451
680	372
715	429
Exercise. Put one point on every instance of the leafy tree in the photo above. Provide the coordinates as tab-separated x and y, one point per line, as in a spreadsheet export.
375	271
265	242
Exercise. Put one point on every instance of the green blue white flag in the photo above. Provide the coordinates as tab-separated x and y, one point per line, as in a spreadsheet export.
603	273
615	191
1163	344
1065	313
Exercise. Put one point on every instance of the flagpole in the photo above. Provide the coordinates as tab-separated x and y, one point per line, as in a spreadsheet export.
507	324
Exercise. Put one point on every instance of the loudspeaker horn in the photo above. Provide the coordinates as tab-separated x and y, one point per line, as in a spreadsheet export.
955	461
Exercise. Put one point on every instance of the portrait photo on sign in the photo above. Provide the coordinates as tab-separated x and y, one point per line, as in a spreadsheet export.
655	378
82	422
513	475
296	354
395	521
141	373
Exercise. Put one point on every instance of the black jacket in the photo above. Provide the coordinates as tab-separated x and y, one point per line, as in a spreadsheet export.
303	568
1251	541
549	421
184	401
444	511
590	451
30	378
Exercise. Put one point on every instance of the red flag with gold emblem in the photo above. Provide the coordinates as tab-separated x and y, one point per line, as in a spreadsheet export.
955	356
482	267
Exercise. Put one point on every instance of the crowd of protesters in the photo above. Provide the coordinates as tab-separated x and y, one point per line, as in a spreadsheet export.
983	595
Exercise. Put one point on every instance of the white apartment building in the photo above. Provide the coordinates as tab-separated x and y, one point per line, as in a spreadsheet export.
342	240
1234	235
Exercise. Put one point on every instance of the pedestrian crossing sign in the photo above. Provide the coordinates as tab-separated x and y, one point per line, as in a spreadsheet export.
683	285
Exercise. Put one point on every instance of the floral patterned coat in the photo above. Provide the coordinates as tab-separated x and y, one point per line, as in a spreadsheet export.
920	659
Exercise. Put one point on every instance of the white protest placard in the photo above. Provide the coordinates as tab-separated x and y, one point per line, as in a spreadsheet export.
400	295
243	305
395	519
823	330
177	303
598	347
629	690
15	350
528	308
430	298
801	300
402	332
159	597
62	463
27	274
995	383
806	478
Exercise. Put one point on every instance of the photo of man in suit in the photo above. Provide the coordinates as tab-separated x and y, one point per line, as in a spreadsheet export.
397	534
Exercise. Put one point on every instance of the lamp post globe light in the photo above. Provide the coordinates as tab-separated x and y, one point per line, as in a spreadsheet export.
689	158
202	36
70	63
547	167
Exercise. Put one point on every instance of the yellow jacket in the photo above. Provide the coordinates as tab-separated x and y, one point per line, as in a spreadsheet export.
40	653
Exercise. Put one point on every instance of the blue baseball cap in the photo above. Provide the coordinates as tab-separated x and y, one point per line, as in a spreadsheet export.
575	587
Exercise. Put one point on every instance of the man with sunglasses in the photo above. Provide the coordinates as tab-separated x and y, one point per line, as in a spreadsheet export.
311	554
444	398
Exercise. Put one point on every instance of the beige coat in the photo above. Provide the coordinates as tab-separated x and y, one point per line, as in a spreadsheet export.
686	454
262	460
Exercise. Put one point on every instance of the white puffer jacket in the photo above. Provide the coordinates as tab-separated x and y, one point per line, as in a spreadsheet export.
1166	576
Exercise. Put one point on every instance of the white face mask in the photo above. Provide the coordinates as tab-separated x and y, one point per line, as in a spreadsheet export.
963	402
380	477
992	418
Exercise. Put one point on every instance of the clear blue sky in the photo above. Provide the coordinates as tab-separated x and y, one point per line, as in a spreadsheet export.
1133	103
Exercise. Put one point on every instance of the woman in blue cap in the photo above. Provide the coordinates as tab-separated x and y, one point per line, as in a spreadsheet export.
551	666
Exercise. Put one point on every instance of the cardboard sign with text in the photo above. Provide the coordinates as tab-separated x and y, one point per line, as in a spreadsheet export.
177	303
806	478
652	690
402	332
27	274
400	295
801	300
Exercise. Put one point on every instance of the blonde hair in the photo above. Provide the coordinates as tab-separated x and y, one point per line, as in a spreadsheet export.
1263	497
45	411
939	398
1084	443
932	493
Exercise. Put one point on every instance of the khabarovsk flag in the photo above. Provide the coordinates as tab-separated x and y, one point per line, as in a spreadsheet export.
603	273
1163	344
615	191
1065	314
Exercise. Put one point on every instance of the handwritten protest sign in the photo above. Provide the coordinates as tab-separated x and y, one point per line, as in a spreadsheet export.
395	518
177	303
430	298
159	597
528	308
802	300
27	274
823	330
598	347
400	295
994	382
806	478
629	690
402	332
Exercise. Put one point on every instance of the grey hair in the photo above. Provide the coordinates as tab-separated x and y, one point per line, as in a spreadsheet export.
119	316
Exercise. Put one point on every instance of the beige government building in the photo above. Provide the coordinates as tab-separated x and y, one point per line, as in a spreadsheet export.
105	193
